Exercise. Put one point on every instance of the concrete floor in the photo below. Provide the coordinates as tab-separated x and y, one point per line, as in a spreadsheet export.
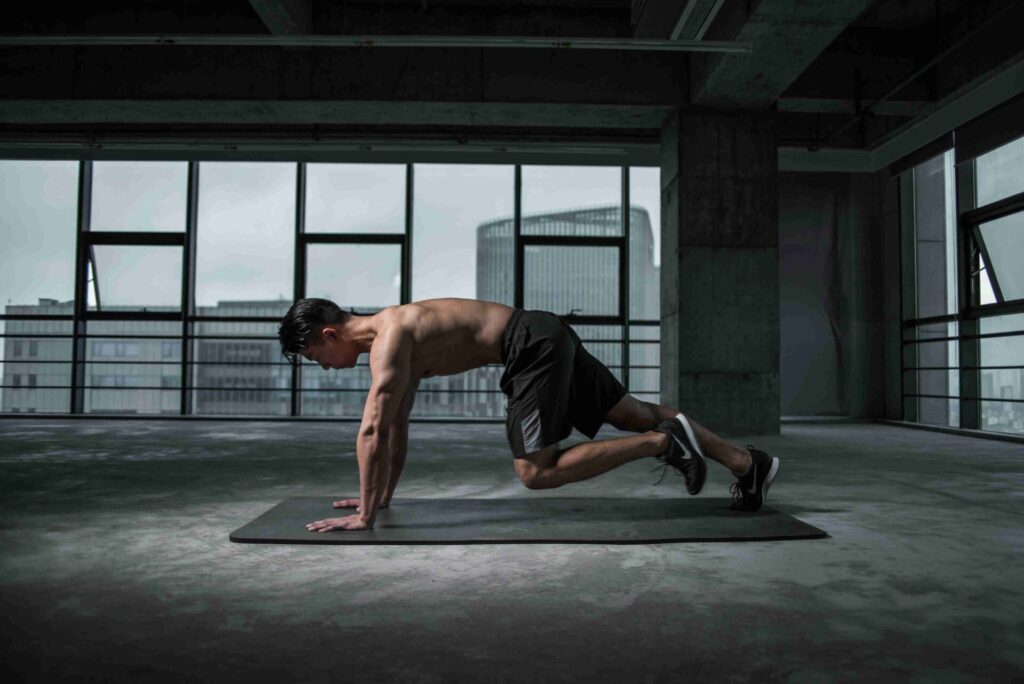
116	565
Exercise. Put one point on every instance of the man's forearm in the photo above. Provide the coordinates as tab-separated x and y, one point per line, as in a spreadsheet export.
397	444
371	452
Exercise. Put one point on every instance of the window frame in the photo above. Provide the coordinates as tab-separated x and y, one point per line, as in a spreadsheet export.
187	318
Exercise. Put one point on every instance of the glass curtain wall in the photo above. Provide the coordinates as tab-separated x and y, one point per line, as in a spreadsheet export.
963	290
184	270
993	223
39	202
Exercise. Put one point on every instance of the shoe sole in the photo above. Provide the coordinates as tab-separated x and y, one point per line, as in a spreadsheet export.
700	454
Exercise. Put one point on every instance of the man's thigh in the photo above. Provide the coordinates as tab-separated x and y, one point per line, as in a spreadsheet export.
595	392
539	391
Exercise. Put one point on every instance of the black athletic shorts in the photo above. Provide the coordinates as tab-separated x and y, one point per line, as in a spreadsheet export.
553	384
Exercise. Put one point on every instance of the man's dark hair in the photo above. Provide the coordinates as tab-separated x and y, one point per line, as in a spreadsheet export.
300	327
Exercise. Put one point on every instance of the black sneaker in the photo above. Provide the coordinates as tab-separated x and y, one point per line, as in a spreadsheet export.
683	453
751	491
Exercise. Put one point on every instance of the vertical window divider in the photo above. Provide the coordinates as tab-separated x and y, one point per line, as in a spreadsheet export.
78	329
405	293
519	250
299	278
188	286
908	294
969	352
624	289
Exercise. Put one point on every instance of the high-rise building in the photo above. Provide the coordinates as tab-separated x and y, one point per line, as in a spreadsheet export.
582	280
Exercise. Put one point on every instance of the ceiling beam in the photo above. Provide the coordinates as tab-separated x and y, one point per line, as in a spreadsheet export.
820	105
786	37
285	17
499	42
74	113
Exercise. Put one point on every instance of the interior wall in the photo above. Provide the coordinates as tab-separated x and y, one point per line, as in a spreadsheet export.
830	292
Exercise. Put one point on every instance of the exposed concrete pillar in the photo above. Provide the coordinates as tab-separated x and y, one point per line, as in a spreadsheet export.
720	269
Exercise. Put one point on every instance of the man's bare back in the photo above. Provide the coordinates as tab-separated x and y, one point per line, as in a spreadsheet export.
449	335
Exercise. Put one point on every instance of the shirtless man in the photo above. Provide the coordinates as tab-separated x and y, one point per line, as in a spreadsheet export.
553	385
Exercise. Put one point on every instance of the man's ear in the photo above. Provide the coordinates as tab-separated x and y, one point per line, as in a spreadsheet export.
329	333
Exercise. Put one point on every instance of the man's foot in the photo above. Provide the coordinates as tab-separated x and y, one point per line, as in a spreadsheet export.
750	491
683	453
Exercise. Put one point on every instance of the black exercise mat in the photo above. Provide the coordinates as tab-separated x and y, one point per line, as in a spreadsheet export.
529	520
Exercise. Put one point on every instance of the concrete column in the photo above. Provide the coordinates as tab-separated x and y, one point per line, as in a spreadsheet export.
720	269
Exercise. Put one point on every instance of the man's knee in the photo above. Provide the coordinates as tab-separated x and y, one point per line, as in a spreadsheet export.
533	480
537	470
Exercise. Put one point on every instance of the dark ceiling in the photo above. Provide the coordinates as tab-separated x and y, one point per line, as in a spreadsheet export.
841	73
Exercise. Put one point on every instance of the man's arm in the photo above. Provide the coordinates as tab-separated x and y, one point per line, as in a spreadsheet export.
398	442
390	362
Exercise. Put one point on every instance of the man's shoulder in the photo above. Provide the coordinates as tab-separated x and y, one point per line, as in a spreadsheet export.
396	319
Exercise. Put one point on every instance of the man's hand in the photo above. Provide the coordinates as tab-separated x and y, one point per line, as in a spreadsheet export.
354	503
351	522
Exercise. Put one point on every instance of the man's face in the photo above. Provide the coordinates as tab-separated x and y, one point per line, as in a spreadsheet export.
331	352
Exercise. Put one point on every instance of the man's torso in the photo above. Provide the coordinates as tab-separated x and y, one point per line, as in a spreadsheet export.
450	335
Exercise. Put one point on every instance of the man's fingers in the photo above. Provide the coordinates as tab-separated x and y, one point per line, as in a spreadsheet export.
351	522
318	526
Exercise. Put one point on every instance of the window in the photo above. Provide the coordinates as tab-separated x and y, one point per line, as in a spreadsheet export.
355	198
456	252
572	280
572	201
462	245
39	202
963	353
38	219
245	244
1000	173
139	196
363	277
1001	246
134	277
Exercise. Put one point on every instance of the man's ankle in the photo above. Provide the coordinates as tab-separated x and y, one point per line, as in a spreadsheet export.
743	463
662	440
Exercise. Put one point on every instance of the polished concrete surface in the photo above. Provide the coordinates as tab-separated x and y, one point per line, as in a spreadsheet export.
116	565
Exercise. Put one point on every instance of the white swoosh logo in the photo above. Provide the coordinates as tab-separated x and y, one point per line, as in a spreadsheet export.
687	455
754	490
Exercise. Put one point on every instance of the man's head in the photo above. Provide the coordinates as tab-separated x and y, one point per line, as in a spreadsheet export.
313	328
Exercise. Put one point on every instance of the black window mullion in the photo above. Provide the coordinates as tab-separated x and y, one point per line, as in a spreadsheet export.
127	238
299	281
352	239
969	344
188	284
78	326
405	294
624	289
908	284
518	285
